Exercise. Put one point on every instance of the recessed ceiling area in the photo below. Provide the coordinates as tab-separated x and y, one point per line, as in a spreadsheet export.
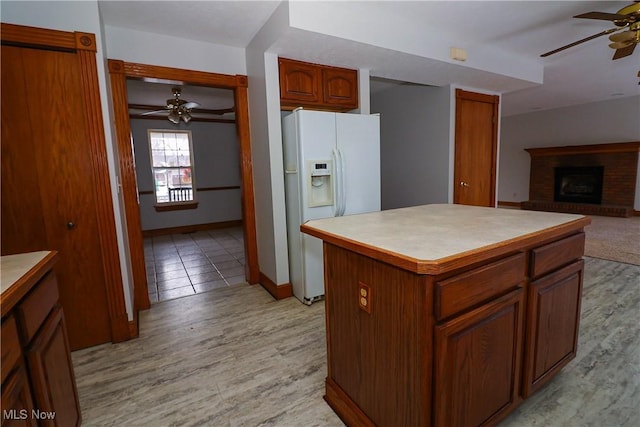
151	99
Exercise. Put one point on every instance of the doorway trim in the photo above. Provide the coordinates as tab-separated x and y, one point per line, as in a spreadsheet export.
119	72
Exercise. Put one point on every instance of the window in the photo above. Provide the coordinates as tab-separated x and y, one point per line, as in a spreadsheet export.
172	167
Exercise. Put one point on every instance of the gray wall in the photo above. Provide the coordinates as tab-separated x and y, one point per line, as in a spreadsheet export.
216	164
414	144
617	120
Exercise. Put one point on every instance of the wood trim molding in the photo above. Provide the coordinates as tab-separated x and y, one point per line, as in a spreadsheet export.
129	185
105	212
252	268
123	70
614	147
277	291
191	228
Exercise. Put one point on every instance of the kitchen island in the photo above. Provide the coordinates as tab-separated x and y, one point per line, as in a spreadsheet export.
447	315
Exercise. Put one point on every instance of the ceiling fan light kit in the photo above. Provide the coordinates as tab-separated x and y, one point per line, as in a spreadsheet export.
627	21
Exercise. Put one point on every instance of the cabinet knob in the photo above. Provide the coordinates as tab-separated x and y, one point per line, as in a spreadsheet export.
70	225
463	184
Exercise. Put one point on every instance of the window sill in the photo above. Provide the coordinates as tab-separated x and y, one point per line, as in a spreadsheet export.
166	207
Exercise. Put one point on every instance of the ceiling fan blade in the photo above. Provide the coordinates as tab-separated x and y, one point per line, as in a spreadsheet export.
602	15
146	113
623	36
625	51
190	105
586	39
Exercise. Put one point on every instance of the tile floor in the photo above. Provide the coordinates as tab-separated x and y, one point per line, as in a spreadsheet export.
179	265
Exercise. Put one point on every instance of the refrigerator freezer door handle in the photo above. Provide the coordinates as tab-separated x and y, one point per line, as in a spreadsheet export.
336	204
343	187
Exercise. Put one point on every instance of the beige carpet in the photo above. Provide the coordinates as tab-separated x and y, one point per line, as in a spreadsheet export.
615	239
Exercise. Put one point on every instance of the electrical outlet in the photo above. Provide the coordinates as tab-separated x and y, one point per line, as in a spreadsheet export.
364	297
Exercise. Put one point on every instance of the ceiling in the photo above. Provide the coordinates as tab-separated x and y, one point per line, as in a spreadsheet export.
521	29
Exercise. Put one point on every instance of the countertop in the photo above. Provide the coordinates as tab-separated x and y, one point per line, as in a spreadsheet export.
18	273
436	238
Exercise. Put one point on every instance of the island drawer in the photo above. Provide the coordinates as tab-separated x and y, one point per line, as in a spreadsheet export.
468	289
554	255
36	306
10	346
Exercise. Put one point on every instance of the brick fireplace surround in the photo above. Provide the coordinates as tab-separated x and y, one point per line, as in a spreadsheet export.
620	161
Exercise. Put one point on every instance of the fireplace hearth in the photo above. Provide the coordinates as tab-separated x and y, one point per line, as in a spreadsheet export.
578	184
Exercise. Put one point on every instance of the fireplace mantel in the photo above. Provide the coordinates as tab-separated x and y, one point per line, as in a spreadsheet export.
615	147
620	163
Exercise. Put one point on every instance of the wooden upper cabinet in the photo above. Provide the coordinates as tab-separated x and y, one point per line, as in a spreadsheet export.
303	84
299	81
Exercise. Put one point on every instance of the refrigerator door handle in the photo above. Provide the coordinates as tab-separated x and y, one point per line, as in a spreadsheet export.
343	187
336	185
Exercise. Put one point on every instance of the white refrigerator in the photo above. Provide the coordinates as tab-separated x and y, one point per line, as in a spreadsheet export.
332	168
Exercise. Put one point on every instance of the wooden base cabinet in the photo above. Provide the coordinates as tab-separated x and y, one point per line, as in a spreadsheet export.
477	359
38	382
553	315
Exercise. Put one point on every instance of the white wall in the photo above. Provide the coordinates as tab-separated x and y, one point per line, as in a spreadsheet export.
167	51
414	144
83	16
595	123
266	148
216	164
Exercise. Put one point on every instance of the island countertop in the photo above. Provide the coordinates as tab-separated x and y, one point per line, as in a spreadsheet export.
433	239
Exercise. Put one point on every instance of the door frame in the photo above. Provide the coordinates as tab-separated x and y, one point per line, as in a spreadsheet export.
119	72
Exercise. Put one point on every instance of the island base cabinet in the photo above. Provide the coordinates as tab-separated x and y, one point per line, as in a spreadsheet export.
553	316
52	374
477	367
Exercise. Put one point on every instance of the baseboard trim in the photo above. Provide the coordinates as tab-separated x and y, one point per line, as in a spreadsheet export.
134	331
190	228
510	204
277	291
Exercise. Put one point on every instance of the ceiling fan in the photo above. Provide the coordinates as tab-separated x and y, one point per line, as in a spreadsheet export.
179	109
627	22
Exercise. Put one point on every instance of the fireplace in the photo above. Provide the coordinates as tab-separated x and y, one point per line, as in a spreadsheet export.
597	179
578	184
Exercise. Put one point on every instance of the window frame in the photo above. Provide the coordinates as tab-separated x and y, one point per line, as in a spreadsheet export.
172	205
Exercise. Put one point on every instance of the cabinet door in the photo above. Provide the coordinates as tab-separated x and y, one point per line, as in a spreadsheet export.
300	82
17	405
52	377
340	87
477	366
553	316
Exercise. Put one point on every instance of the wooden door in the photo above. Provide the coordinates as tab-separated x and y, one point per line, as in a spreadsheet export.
50	187
476	144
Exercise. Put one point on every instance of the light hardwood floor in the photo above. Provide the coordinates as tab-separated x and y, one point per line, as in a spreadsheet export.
236	357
